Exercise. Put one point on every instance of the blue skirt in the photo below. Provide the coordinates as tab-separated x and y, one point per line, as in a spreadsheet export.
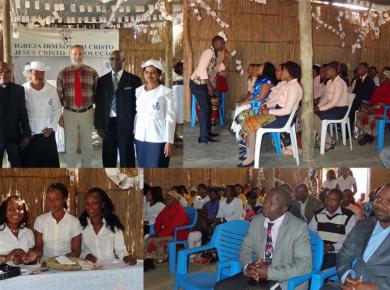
336	113
151	155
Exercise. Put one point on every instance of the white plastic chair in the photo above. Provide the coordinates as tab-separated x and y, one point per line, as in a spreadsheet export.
344	122
288	128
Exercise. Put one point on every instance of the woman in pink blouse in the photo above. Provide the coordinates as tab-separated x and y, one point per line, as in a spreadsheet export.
333	105
276	111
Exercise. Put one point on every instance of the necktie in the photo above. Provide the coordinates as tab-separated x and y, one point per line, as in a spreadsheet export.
115	86
78	91
268	245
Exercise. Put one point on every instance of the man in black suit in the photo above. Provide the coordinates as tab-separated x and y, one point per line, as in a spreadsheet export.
15	132
115	111
363	90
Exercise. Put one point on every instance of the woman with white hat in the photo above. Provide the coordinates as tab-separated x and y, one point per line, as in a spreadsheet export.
155	120
44	111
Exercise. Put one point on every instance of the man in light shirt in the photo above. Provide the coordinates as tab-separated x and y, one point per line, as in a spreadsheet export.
369	245
201	85
281	244
202	197
44	112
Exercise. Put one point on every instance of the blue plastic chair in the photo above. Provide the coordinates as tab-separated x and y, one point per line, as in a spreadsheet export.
318	279
317	251
227	239
380	126
221	110
193	218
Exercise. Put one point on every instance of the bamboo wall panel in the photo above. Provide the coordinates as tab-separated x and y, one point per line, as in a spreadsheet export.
379	177
32	184
270	32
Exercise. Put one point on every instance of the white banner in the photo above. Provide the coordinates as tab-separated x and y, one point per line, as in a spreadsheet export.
46	42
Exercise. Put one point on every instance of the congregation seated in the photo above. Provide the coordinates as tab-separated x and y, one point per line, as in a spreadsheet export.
368	114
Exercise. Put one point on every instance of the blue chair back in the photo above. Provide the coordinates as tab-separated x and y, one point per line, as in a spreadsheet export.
317	250
227	239
192	215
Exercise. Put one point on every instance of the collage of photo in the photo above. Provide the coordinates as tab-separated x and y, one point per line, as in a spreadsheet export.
195	145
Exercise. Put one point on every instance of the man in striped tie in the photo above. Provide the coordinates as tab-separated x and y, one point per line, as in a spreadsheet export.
76	86
115	112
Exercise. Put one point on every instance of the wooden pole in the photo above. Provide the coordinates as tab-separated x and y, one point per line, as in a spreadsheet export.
6	32
168	46
306	56
188	59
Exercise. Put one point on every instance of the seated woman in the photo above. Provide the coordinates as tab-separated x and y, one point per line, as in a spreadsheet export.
366	118
172	216
253	207
57	233
333	105
284	101
16	240
231	207
102	235
154	205
266	79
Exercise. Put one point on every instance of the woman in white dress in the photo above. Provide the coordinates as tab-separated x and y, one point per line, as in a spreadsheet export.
57	233
16	240
102	235
155	120
154	205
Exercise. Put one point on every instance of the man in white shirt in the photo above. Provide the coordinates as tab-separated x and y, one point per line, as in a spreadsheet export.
346	181
44	111
201	198
281	244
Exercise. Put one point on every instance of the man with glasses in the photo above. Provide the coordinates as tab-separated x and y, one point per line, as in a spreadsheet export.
15	132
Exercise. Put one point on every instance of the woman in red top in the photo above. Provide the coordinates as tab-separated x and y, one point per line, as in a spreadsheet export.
366	118
172	216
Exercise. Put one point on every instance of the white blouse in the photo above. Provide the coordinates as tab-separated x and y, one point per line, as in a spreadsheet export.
8	241
151	212
155	120
231	211
57	237
43	107
104	245
286	97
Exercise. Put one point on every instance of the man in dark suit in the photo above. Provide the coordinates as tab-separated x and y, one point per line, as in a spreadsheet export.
115	111
308	203
368	244
363	90
15	132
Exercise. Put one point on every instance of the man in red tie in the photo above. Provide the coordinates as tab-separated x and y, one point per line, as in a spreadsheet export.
76	86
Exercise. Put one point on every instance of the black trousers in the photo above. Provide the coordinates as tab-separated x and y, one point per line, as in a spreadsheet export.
41	152
204	100
112	143
241	282
355	106
13	151
329	261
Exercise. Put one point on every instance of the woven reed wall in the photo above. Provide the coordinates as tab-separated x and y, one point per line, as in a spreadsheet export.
139	50
32	184
270	32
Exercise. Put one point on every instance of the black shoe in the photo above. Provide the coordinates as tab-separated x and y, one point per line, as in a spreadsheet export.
213	134
148	265
231	132
246	165
206	140
242	158
332	145
370	139
364	140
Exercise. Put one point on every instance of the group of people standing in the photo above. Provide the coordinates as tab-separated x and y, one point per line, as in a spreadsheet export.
125	113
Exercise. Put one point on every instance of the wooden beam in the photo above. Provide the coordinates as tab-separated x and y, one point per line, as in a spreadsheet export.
188	59
6	31
306	56
168	46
